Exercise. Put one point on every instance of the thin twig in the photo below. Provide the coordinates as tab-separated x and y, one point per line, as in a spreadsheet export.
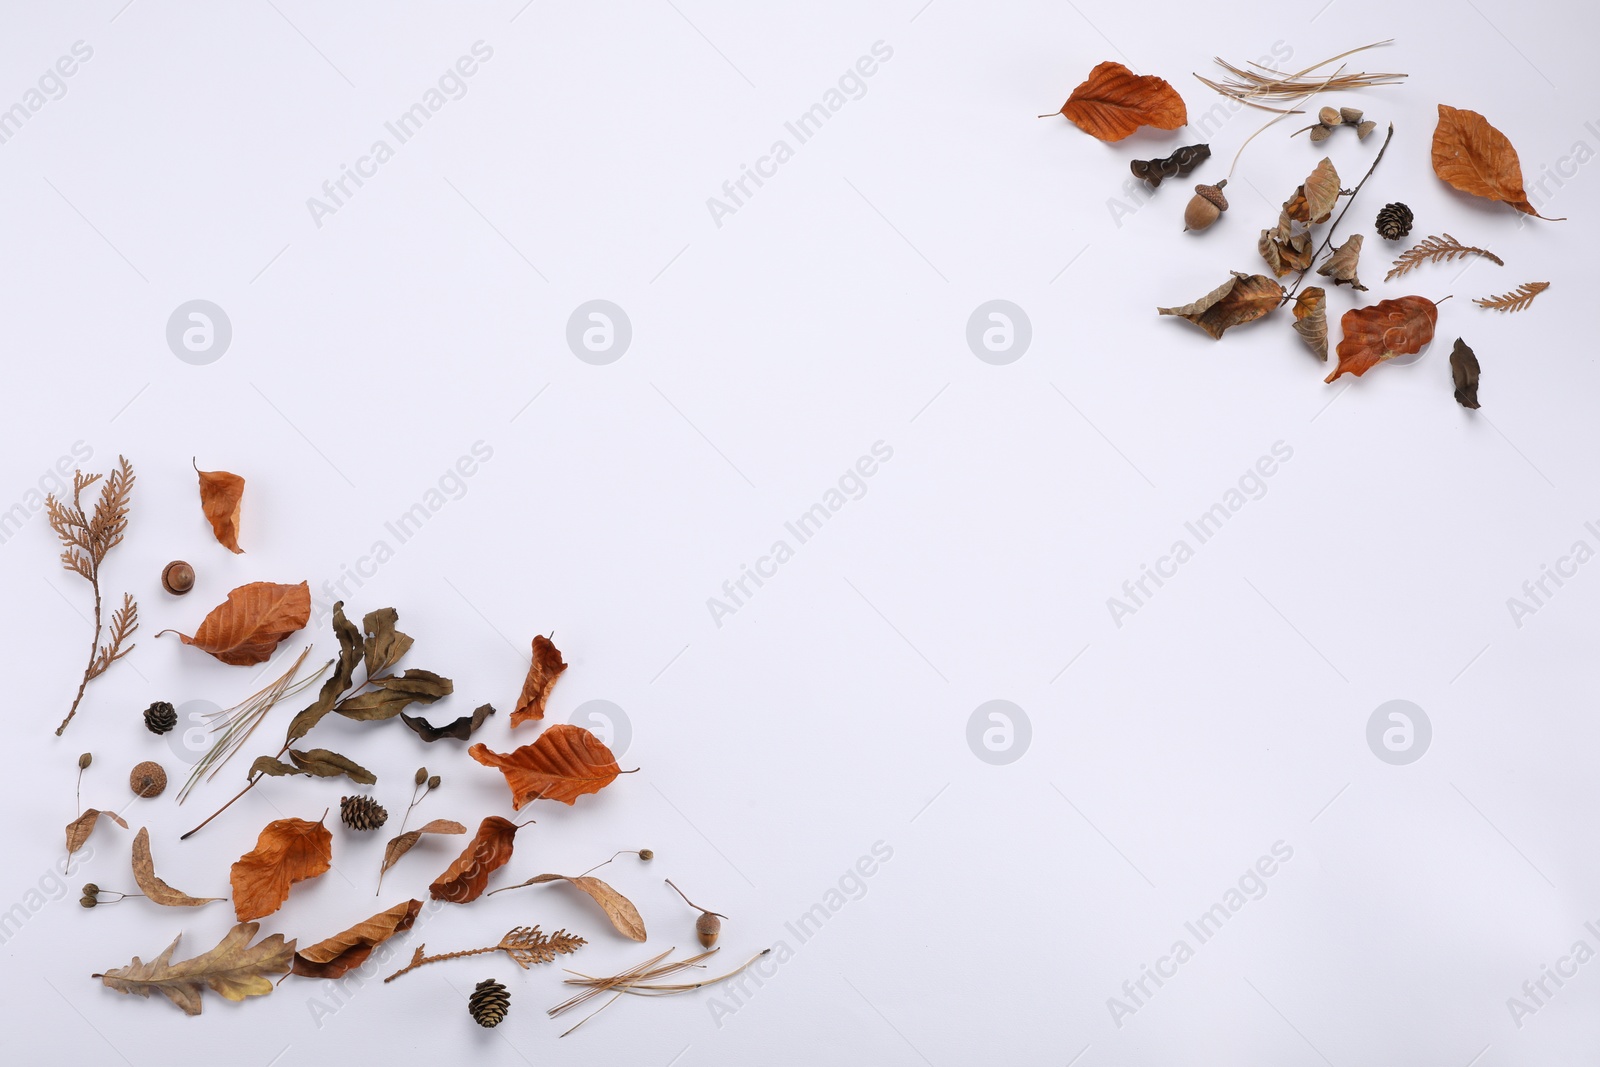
1327	240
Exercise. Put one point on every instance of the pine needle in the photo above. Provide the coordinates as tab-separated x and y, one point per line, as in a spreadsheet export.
640	981
1250	87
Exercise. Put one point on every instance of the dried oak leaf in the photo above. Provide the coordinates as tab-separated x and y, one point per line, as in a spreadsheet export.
220	496
1464	374
394	693
618	908
564	763
235	969
546	667
462	729
1313	202
1115	101
247	627
1476	158
1311	320
288	851
399	846
344	951
79	829
317	763
1341	265
490	849
159	892
1383	331
1242	298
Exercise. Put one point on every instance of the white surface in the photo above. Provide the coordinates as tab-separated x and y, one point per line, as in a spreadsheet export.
829	712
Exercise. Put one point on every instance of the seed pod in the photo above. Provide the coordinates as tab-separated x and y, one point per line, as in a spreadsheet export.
1364	128
489	1003
87	901
1205	207
433	781
177	577
1350	115
84	761
422	775
1320	133
646	854
1176	165
90	889
148	779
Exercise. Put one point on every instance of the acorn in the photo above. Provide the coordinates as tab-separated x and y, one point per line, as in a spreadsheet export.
148	779
177	577
709	926
1205	207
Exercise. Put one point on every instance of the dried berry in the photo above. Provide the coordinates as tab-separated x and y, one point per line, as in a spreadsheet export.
361	812
1394	221
177	577
148	779
160	717
1177	165
489	1003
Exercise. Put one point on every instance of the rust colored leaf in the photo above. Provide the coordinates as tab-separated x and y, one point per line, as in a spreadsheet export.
288	851
1464	373
159	892
245	629
490	849
1341	265
220	496
564	763
618	908
343	951
1313	202
399	846
546	667
1242	298
79	829
1476	158
1115	101
1311	320
1383	331
235	969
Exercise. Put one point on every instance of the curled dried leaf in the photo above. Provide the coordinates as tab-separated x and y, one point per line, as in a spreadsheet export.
344	951
462	729
1341	265
564	763
287	851
220	496
247	627
159	892
384	644
402	844
490	849
1177	165
1311	320
1464	372
545	668
1476	158
394	693
79	829
234	970
618	908
1286	247
1242	298
1313	202
1383	331
1115	101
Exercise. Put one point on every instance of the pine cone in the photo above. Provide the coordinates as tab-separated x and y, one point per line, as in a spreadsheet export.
1394	221
160	717
489	1003
362	812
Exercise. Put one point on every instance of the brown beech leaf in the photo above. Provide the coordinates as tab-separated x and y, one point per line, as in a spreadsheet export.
1313	202
490	849
79	829
1464	372
159	892
235	969
1311	320
399	846
1476	158
288	851
564	763
462	729
1115	101
246	628
618	908
546	667
220	495
343	951
1242	298
1341	265
394	693
1383	331
1286	247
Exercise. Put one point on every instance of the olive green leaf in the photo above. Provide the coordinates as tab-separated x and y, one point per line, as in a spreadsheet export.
393	693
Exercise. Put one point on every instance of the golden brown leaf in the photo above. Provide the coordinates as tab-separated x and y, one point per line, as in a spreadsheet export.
1383	331
1313	202
159	892
1286	247
246	628
1242	298
564	763
618	908
546	667
490	849
79	829
288	851
344	951
1516	300
1311	320
220	497
1476	158
235	969
402	844
1115	101
1341	265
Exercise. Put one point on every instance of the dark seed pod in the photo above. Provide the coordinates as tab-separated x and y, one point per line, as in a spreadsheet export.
489	1003
84	761
87	901
1176	165
148	779
160	717
362	812
1394	221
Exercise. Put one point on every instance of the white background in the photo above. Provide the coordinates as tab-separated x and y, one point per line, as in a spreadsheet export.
768	354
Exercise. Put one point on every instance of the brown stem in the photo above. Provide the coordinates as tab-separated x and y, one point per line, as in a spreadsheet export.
94	650
222	809
418	959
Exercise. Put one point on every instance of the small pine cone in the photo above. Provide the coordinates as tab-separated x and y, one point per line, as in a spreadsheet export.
362	812
160	717
489	1003
1394	221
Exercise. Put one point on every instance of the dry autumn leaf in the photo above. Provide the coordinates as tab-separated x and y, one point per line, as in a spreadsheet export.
490	849
1311	320
79	829
1242	298
1341	265
1313	202
1476	158
246	628
220	497
618	908
1464	373
343	951
315	763
1287	247
546	667
1383	331
159	892
462	729
564	763
402	844
288	851
235	969
1115	101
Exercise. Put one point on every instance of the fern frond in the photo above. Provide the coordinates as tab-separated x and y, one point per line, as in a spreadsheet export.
1516	300
1437	250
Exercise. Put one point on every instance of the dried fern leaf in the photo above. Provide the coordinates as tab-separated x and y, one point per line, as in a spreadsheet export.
1437	250
1516	300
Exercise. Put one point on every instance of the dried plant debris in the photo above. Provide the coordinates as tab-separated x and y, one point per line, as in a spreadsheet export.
234	969
1331	118
288	851
1242	298
1394	221
706	928
79	829
526	946
246	628
641	981
564	763
159	892
1311	320
1264	83
618	908
1341	265
1383	331
1516	300
314	763
343	952
1464	374
1437	250
86	539
399	846
1476	158
544	667
1177	165
1287	247
1313	202
468	875
461	730
1115	101
240	721
221	494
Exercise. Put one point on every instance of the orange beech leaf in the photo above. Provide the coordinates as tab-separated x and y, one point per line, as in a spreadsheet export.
1476	158
344	951
490	849
563	764
1115	101
1242	298
220	495
1383	331
288	851
245	629
546	667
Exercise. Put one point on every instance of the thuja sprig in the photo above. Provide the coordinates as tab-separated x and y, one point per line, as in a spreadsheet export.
525	945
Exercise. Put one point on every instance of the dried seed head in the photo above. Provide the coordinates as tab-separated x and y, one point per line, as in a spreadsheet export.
84	761
433	781
1350	115
422	775
90	889
1329	116
1321	133
646	854
87	901
1362	129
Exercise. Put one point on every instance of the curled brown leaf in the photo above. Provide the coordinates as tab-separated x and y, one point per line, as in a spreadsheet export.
79	829
543	671
1383	331
220	496
399	846
288	851
1241	299
159	892
462	729
490	849
1311	320
349	949
618	908
564	763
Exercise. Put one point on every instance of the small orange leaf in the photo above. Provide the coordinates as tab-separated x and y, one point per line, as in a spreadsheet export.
220	496
343	951
563	764
1476	158
247	627
1115	101
490	849
1383	331
546	667
288	851
1311	320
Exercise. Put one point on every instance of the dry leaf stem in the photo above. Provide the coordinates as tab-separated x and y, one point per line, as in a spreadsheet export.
1327	239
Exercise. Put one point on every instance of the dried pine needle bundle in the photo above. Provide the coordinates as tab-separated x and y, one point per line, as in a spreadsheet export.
640	981
1265	83
239	722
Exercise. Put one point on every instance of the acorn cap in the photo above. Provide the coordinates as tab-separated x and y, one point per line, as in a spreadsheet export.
148	779
1351	115
1213	193
1330	116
